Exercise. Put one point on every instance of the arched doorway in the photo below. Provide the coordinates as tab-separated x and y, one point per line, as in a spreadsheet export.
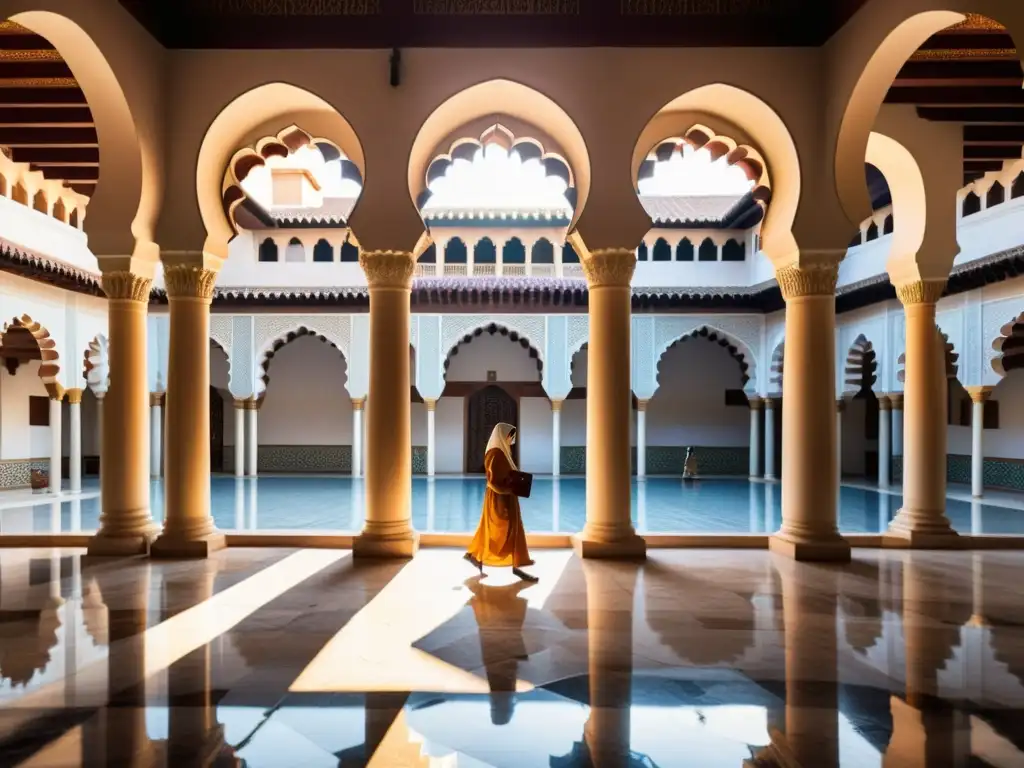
216	431
487	407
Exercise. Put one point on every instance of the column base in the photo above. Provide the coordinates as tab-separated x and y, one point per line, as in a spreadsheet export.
392	547
903	533
629	548
771	479
105	545
175	546
829	550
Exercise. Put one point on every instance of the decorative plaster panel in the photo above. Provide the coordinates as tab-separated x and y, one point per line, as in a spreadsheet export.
578	333
994	316
558	371
530	327
644	363
973	357
951	324
241	366
271	328
743	331
429	357
358	359
221	330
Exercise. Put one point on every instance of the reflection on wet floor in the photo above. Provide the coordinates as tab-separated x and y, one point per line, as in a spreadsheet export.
443	504
694	658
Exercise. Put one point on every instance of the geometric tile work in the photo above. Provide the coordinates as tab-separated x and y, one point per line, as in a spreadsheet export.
313	458
668	460
17	473
996	473
897	469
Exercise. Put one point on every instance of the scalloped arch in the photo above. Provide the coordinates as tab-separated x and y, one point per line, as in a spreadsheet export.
49	366
96	365
743	354
1009	347
502	328
861	366
742	156
949	352
776	370
277	343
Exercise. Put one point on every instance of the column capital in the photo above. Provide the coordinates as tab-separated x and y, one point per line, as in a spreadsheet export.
431	403
817	279
253	403
895	400
156	399
609	267
884	404
358	403
979	394
388	269
641	404
126	286
920	292
756	404
54	390
74	395
189	281
769	403
240	403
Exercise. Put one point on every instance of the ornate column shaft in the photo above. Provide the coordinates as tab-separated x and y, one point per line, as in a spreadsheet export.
609	528
431	404
884	441
387	531
126	526
188	525
978	397
252	438
156	442
75	427
922	520
556	438
56	393
239	437
756	406
771	472
641	437
809	487
358	404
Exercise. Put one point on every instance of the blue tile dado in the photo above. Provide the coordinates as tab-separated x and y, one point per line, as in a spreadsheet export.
17	473
668	460
997	473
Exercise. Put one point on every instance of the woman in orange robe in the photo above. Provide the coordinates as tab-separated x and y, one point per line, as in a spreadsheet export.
500	539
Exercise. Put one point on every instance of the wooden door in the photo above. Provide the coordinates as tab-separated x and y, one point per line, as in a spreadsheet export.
487	407
217	430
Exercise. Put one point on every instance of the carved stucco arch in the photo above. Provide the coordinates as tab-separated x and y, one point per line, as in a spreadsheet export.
861	365
263	381
96	365
1009	347
513	334
49	365
776	364
671	330
274	331
454	328
950	356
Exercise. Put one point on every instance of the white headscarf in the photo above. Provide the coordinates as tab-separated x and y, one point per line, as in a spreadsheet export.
500	439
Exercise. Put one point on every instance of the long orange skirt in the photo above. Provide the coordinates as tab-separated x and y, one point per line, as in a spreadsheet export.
500	539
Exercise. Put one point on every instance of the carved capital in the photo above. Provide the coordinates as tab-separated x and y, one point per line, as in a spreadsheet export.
388	269
756	404
54	390
979	394
188	281
358	403
612	267
641	404
431	403
74	396
156	399
884	404
240	404
896	400
126	286
769	403
556	405
920	292
810	280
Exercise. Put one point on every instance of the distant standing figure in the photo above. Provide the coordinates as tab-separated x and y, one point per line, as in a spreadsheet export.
500	539
690	465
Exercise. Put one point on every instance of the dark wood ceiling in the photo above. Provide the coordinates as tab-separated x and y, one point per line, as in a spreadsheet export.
488	23
969	74
44	118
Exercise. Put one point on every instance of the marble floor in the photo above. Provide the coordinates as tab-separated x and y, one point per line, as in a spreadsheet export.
276	658
557	505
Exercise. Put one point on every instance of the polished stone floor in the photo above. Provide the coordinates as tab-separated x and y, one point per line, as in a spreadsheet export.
452	504
277	658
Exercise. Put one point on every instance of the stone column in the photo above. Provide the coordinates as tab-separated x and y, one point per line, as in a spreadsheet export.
431	404
358	404
922	520
239	437
770	470
252	439
809	488
641	437
884	441
387	530
756	406
556	438
978	397
126	526
896	399
156	422
75	454
188	525
608	531
840	410
56	393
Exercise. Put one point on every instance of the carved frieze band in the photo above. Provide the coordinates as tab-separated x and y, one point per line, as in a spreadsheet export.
126	286
285	7
388	269
187	281
496	7
920	292
811	280
610	267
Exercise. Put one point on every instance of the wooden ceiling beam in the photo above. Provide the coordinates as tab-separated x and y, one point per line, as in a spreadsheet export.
46	117
986	115
992	152
939	69
42	97
994	134
35	137
982	166
69	172
957	96
87	188
25	42
56	155
10	70
969	40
